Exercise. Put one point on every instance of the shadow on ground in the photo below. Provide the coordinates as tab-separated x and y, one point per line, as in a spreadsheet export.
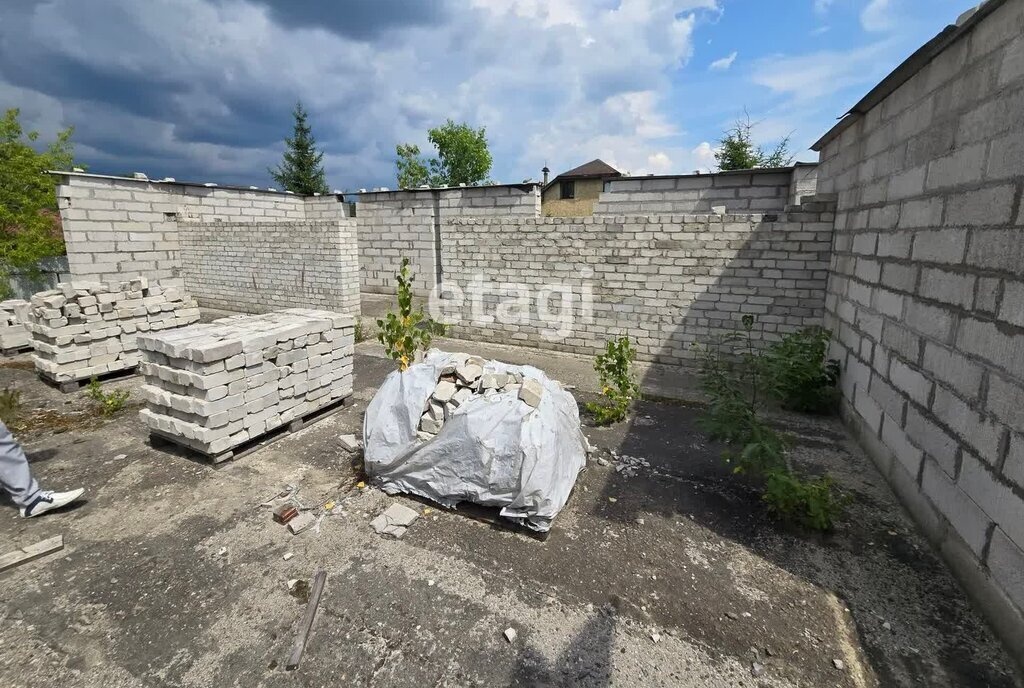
908	614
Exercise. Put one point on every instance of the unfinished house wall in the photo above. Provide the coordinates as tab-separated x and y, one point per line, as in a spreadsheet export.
406	224
926	297
272	265
666	281
115	226
739	191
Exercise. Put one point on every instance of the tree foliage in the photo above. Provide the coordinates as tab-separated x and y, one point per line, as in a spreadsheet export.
737	151
30	228
412	170
462	158
301	171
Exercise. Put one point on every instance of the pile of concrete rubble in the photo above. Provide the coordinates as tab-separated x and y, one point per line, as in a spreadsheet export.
463	378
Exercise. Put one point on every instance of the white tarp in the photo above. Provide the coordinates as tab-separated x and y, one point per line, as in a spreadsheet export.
493	450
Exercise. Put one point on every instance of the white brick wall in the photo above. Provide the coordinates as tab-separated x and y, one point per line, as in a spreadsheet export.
667	281
406	224
116	226
265	266
929	186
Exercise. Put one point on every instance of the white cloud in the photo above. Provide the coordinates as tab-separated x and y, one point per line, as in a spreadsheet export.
877	16
811	76
822	6
703	157
722	64
659	163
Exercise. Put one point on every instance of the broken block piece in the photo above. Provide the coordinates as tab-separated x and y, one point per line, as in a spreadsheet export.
531	392
462	396
303	521
444	391
428	424
349	443
394	521
469	373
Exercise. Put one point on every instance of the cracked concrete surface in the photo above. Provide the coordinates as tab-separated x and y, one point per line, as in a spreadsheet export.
681	551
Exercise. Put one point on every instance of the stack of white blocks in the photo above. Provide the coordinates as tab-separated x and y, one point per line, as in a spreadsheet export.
82	330
14	332
214	387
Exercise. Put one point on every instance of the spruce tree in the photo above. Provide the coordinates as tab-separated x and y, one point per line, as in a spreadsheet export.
301	171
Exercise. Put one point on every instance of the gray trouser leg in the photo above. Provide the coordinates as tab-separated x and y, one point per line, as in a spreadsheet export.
15	477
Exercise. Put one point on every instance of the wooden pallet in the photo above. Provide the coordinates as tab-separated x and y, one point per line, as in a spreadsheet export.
159	439
68	386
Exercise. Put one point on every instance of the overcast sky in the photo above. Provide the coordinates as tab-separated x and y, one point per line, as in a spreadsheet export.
203	89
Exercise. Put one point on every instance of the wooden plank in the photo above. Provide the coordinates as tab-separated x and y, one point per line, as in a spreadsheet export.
27	554
306	625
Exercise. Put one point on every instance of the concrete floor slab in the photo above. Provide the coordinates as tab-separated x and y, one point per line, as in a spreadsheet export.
670	574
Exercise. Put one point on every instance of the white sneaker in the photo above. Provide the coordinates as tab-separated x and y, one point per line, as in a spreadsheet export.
47	501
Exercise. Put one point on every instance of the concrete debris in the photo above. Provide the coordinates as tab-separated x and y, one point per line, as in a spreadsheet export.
288	555
395	520
466	381
14	319
469	373
510	634
839	664
349	443
303	521
656	637
757	670
531	392
444	391
629	465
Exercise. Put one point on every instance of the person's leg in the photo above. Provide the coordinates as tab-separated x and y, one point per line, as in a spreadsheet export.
15	476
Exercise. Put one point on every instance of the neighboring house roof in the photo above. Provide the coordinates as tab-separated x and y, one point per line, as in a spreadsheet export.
595	169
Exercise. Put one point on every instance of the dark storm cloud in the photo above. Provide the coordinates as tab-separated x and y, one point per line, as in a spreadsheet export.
359	19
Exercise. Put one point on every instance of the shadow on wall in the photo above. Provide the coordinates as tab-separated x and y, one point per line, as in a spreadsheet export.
50	272
876	565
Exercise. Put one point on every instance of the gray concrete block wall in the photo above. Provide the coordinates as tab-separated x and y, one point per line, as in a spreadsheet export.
749	191
926	299
406	224
667	281
265	266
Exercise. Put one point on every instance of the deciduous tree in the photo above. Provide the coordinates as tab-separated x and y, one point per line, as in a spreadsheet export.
463	157
30	228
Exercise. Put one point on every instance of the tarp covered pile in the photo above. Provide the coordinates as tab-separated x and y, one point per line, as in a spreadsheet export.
457	428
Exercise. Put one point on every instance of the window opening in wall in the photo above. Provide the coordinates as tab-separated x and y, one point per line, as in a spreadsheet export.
568	190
